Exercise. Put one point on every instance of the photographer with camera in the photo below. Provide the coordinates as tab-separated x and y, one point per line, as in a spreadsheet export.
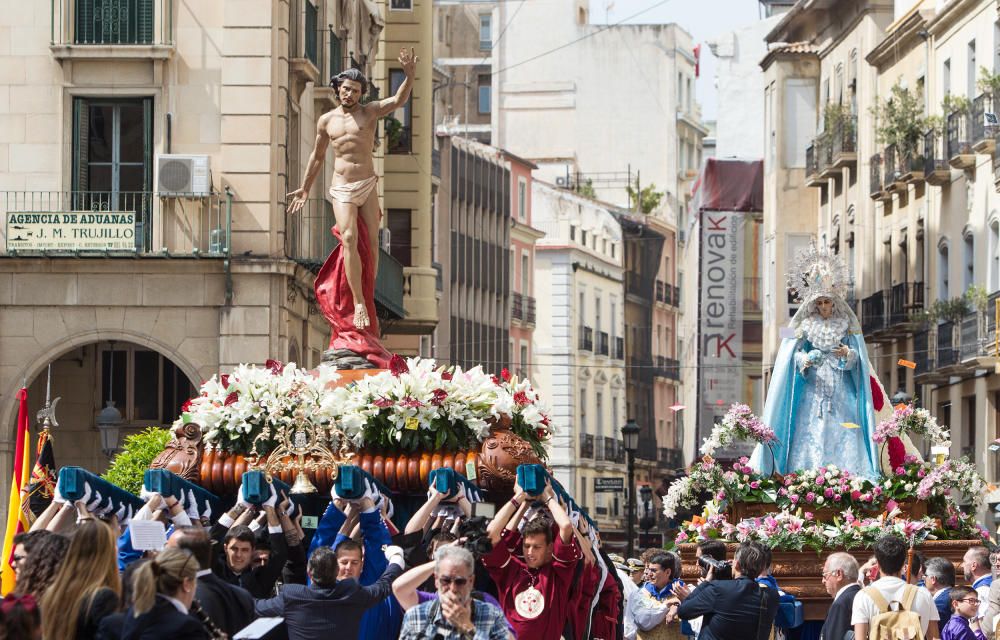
738	609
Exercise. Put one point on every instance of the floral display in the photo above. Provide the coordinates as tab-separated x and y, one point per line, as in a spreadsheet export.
412	406
953	475
788	530
233	409
739	423
907	419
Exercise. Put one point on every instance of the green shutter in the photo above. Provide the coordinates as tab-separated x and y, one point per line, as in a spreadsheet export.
145	21
84	21
81	140
336	57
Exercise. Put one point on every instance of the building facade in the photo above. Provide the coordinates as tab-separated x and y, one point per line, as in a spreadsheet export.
165	136
463	49
579	284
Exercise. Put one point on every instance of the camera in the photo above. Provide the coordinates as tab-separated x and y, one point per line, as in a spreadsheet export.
476	539
721	569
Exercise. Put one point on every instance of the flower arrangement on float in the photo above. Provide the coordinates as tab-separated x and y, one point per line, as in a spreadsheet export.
413	406
829	490
796	530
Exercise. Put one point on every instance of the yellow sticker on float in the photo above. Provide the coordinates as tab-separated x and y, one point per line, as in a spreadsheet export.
412	423
850	425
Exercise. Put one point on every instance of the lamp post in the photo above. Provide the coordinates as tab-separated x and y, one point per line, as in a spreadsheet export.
109	420
630	438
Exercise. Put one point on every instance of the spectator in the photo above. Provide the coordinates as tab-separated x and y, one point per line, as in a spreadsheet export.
890	556
534	591
86	587
713	549
330	607
977	570
229	607
840	579
732	609
164	589
964	621
939	578
24	542
454	613
363	563
649	607
234	564
44	556
628	589
20	618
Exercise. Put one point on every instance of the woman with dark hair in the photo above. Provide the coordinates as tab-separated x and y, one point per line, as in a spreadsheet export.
86	587
163	589
20	618
41	565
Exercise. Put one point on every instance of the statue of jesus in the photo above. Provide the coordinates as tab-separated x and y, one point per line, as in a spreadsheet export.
345	286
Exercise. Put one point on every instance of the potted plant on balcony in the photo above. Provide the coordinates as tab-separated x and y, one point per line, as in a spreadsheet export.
901	123
988	83
838	128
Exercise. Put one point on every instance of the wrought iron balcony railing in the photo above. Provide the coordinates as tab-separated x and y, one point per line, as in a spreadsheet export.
587	446
111	22
619	345
906	297
958	141
873	312
947	351
142	223
937	171
668	368
603	347
586	339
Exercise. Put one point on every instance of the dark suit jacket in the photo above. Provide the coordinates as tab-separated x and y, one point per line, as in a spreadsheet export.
731	609
327	612
838	618
228	606
162	622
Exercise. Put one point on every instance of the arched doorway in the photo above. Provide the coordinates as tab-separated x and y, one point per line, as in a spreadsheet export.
146	386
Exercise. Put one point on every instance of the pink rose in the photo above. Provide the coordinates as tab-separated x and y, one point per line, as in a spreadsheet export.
855	495
755	485
794	499
836	497
828	493
810	497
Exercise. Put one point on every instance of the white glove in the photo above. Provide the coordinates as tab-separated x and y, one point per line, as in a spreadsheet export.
191	502
107	508
273	498
241	500
371	491
290	511
57	495
86	493
390	509
395	555
192	509
94	504
207	513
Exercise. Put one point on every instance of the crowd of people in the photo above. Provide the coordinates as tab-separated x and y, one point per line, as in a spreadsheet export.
536	570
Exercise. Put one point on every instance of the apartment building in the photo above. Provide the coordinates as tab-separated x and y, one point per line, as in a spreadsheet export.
146	147
463	49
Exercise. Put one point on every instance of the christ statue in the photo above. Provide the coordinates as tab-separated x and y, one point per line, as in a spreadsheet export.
345	286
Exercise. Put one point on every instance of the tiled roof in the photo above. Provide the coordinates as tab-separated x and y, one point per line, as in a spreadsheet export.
794	47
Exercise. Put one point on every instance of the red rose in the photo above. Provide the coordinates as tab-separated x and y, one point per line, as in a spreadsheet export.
495	380
224	380
232	398
521	398
397	365
186	406
439	396
446	375
275	366
505	374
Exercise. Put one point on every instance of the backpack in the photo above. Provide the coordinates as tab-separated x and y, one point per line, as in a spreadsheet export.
894	624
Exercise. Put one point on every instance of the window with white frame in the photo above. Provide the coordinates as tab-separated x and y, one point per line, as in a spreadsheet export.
522	199
485	31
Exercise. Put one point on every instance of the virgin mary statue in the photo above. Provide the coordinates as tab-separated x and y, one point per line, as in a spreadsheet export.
819	402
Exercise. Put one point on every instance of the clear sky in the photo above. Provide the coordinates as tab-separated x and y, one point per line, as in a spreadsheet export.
703	19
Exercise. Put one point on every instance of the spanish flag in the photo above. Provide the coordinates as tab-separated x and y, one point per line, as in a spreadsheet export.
16	520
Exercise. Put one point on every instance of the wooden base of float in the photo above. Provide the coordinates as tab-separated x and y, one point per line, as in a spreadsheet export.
800	572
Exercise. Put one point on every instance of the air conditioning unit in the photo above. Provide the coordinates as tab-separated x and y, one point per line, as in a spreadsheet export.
562	181
183	175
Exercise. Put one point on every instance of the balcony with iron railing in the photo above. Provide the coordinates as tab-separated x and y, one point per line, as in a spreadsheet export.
112	29
937	171
890	168
618	344
910	163
677	296
660	287
639	285
844	139
978	338
947	351
522	308
614	450
982	135
587	446
959	143
603	343
875	187
922	357
873	313
308	242
111	224
905	299
817	161
824	158
586	339
668	368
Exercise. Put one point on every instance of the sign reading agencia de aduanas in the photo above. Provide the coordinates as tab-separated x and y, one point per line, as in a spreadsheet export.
71	230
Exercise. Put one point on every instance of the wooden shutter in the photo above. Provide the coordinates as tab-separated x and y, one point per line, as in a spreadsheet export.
81	144
144	12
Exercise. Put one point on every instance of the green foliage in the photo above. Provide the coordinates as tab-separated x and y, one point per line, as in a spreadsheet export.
587	189
140	449
393	131
954	104
836	115
951	310
978	297
649	197
988	82
901	120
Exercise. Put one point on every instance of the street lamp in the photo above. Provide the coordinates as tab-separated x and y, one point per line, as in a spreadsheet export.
109	420
630	438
